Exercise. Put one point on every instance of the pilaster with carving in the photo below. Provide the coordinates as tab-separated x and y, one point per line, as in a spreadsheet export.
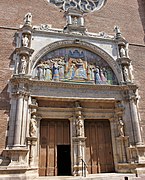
78	140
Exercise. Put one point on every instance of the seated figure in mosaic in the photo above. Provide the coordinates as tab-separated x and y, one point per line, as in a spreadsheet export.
97	76
55	71
40	71
48	72
80	72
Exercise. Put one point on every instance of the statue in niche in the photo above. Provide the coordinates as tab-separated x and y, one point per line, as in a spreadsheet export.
61	64
25	40
40	71
75	21
33	127
55	71
79	125
122	52
28	19
47	72
126	74
120	127
97	76
23	65
80	72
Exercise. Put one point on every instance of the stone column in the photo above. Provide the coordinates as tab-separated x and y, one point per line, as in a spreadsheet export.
18	122
24	120
135	120
12	120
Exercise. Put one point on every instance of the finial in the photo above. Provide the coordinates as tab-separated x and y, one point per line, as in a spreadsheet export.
117	32
28	19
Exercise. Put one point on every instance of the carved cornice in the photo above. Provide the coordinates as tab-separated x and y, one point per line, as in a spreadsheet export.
30	82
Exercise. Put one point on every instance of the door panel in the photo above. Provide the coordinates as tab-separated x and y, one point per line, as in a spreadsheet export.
99	155
52	133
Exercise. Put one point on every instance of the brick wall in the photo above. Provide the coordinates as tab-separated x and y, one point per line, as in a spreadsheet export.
128	15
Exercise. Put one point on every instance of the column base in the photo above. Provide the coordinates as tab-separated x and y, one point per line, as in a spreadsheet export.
17	157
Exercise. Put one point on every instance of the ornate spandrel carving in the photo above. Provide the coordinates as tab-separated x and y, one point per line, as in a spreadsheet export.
74	65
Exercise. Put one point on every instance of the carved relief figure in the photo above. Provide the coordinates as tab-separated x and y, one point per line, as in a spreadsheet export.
40	71
23	65
90	72
80	72
25	40
103	78
97	76
55	71
61	64
33	127
47	72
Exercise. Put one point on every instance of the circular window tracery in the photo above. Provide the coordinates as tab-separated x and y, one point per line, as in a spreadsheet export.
74	65
82	5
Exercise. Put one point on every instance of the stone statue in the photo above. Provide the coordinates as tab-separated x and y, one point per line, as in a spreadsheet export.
33	127
23	65
126	74
25	41
79	125
28	19
61	64
120	127
122	52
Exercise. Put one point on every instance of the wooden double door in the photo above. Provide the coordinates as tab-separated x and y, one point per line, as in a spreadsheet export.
55	151
99	154
55	158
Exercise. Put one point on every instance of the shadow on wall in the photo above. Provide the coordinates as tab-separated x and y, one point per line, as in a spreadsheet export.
141	8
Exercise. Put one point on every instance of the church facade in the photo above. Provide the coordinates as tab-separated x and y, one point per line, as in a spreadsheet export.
73	99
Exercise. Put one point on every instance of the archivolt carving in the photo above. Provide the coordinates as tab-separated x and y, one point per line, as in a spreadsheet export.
98	67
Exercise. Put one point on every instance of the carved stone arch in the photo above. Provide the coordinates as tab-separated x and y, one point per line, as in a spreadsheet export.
78	44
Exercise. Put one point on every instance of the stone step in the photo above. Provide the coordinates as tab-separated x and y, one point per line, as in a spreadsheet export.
102	176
